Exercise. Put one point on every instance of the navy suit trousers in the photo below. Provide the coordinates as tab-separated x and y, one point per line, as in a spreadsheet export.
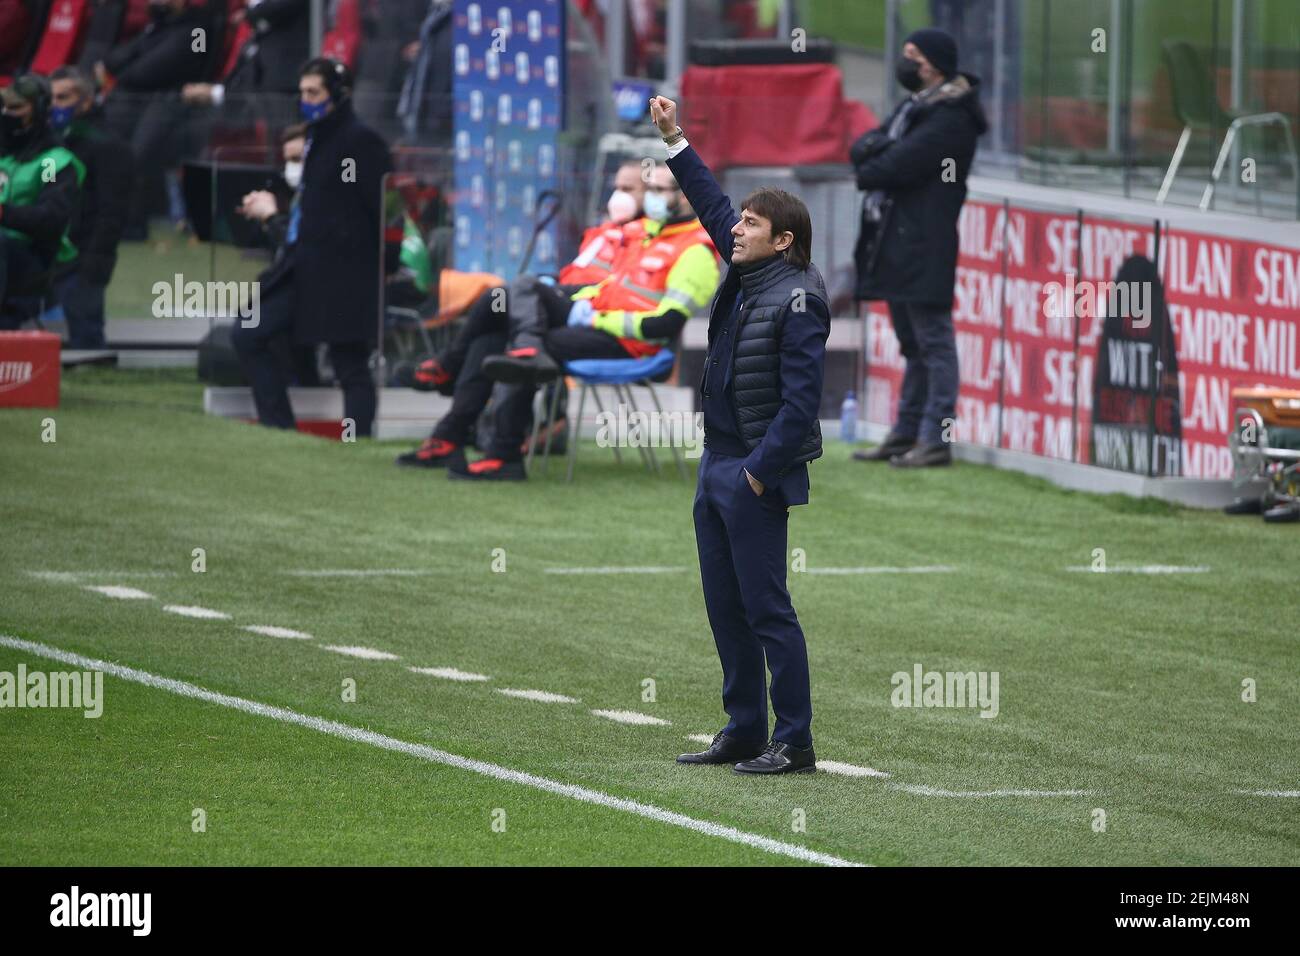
741	538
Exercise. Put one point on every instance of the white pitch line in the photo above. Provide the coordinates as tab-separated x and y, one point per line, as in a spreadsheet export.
119	592
848	769
632	717
188	610
448	673
1143	569
357	572
270	630
615	569
885	569
73	577
922	790
700	738
541	696
481	767
1269	793
365	653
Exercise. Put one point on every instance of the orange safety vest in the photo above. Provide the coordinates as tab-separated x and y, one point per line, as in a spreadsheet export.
641	276
601	246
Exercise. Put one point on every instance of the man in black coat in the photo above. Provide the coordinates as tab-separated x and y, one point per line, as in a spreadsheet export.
914	168
97	227
760	394
323	285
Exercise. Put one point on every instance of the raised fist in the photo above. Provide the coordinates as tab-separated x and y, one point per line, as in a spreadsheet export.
663	112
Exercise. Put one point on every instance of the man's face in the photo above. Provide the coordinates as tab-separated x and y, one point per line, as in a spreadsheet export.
293	150
65	93
928	73
663	182
753	238
311	89
628	179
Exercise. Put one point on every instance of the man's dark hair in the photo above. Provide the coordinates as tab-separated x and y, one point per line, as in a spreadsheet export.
293	131
787	213
336	77
77	76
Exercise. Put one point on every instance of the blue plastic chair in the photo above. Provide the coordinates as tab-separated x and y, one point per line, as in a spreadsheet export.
622	374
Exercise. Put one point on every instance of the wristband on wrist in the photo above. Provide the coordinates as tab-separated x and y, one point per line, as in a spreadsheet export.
675	138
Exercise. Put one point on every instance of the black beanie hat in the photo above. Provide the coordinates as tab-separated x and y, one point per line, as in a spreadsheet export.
939	48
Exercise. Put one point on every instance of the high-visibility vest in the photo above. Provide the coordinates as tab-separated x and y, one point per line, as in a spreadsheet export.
21	184
640	278
601	246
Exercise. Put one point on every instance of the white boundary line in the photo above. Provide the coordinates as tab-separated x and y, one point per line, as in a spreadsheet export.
482	767
1142	569
621	569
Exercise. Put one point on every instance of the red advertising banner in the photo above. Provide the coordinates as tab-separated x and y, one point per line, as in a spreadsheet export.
1027	277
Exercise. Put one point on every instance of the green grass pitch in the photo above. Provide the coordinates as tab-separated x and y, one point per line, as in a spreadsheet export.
1126	687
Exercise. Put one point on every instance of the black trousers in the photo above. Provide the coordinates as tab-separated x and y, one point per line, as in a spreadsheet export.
262	352
488	331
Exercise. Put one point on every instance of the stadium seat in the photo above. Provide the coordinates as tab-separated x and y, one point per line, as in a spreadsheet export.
64	32
343	41
622	374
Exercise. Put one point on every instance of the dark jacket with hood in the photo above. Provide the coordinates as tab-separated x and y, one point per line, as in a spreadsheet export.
910	255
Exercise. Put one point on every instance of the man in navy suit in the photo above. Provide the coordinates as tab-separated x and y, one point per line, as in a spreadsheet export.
761	392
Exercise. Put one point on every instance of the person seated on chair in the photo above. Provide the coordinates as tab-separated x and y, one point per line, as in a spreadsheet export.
40	189
600	248
668	269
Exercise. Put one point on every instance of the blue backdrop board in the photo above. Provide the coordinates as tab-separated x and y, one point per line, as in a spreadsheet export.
508	60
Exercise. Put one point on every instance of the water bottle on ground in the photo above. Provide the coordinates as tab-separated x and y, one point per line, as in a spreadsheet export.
849	418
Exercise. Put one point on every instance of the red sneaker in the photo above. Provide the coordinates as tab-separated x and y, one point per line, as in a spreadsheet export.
434	453
430	376
488	469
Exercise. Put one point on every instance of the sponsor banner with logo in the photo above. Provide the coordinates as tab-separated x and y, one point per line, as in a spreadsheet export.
1138	385
508	87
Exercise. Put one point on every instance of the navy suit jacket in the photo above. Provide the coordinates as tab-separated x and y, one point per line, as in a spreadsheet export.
803	338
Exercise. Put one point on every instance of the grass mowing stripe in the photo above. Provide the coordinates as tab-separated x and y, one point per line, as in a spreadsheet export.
358	735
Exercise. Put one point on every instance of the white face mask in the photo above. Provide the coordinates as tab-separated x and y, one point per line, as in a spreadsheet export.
621	206
293	174
656	206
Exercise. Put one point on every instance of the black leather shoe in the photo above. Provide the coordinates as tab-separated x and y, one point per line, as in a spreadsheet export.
780	758
1244	506
924	456
521	367
887	449
724	749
